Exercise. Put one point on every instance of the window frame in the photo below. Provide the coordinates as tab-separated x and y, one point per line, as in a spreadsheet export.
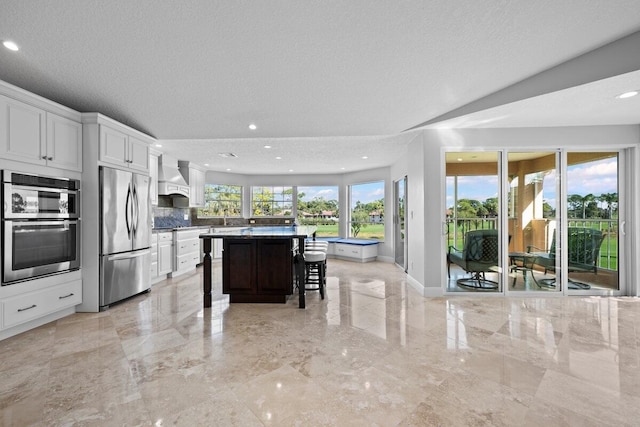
200	211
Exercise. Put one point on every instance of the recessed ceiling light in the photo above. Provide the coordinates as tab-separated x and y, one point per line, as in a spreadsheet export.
267	146
206	164
459	159
627	94
365	157
278	158
228	169
10	45
341	169
253	126
158	145
290	170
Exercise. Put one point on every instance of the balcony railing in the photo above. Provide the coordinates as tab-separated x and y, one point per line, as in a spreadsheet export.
458	227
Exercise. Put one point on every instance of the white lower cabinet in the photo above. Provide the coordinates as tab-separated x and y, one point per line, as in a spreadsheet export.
165	253
187	250
360	253
23	308
153	266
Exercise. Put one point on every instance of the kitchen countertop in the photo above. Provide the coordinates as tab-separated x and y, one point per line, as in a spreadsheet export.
264	232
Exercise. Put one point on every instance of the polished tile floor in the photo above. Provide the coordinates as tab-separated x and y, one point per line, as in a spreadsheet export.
373	353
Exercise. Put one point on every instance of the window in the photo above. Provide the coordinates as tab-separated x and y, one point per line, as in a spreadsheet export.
367	210
221	200
318	206
272	201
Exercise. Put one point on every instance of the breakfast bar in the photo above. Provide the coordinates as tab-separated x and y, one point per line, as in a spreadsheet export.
257	263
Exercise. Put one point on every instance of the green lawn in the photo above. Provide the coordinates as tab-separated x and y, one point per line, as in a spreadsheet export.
370	231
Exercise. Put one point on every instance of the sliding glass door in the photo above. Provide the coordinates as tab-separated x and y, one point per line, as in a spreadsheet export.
593	240
533	221
562	228
472	226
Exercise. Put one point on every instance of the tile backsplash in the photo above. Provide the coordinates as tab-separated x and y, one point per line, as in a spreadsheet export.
171	217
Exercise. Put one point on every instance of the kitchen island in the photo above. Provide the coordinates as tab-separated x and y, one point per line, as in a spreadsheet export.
257	263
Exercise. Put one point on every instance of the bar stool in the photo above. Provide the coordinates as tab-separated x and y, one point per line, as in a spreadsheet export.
315	264
317	245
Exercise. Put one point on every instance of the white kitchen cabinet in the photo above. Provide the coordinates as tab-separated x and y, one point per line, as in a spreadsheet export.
196	186
194	175
64	143
32	135
165	253
29	306
187	250
356	252
123	150
153	174
153	266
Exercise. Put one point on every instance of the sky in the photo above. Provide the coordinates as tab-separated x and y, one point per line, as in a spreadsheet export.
595	178
326	192
365	193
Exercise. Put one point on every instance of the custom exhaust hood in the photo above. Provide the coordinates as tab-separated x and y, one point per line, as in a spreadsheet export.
170	180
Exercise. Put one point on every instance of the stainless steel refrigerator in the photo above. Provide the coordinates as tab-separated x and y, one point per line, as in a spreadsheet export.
125	235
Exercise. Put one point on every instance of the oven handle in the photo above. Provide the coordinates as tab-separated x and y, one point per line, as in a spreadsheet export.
19	224
45	189
128	255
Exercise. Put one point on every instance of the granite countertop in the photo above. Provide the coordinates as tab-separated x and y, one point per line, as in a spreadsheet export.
260	232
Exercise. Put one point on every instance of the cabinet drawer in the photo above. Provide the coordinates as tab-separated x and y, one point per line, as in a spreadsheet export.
187	247
351	251
23	308
186	262
165	237
362	253
188	234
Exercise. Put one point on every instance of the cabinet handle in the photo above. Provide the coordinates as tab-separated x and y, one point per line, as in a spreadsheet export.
66	296
44	157
27	308
49	158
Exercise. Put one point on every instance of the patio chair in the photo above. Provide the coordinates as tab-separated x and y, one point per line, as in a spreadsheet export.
583	252
478	256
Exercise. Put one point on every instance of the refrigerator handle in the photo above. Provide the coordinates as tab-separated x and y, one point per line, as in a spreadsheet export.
128	255
136	210
126	208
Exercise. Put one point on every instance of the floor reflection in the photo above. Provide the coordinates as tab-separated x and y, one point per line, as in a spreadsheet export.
374	350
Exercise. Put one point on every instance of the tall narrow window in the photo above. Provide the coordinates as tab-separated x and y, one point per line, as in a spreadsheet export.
473	236
272	201
318	205
593	240
221	200
367	210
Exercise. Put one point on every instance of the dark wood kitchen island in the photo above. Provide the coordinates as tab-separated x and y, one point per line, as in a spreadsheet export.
257	263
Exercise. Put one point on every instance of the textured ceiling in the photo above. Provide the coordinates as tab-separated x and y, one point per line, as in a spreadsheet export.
309	73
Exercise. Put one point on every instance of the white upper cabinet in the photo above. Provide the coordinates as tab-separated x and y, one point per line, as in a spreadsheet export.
123	150
195	177
64	143
32	135
153	174
196	185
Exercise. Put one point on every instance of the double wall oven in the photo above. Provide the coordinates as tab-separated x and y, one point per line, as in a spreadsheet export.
40	226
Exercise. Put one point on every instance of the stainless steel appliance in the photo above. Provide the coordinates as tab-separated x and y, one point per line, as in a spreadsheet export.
40	226
125	235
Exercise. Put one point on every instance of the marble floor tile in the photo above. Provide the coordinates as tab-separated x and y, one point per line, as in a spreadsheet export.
374	352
